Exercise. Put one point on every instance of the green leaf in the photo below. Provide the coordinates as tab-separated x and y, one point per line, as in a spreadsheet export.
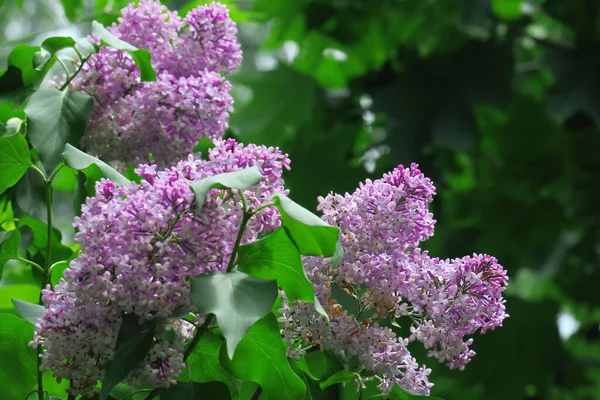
109	39
40	231
301	363
30	196
133	344
28	311
15	159
9	246
302	375
141	57
310	233
261	357
276	257
49	48
40	238
18	372
21	57
238	301
507	9
86	46
240	180
203	364
338	377
8	111
54	44
12	88
22	291
16	118
323	363
81	161
55	118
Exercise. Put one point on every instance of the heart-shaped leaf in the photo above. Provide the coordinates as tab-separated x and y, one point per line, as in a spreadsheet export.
261	357
303	366
240	180
312	235
276	257
43	60
55	118
54	44
238	300
81	161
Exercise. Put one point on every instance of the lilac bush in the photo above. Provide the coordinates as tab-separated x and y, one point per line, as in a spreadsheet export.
163	253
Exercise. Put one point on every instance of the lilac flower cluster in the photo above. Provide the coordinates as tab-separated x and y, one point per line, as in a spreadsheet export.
138	244
443	301
189	100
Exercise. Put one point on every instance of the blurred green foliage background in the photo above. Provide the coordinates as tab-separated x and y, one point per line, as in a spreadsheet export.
499	103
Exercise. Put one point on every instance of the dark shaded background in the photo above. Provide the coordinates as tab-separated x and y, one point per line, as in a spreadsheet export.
499	103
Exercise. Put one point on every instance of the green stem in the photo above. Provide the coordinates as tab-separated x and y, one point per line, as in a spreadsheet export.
40	378
66	84
47	265
58	168
32	263
46	275
245	218
61	62
262	207
78	54
39	171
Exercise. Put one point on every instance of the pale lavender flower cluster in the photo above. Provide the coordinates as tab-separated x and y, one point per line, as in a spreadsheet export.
138	244
443	301
190	98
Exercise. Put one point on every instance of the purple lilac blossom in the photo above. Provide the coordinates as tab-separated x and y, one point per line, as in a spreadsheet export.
442	301
138	244
134	120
